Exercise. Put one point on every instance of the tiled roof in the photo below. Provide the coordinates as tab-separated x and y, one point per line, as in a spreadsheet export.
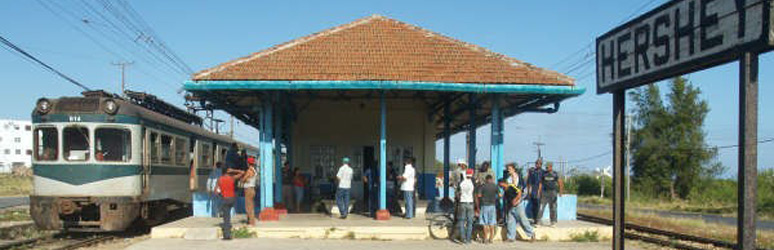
380	48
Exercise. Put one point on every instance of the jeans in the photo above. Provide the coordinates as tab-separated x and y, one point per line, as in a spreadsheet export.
518	215
549	198
342	200
465	221
408	196
225	209
299	196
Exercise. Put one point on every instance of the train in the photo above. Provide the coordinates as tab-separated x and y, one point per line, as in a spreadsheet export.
103	162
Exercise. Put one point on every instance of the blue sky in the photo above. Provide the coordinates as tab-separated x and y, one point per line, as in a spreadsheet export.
206	33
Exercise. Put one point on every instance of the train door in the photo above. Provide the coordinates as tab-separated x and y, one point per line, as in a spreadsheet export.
146	161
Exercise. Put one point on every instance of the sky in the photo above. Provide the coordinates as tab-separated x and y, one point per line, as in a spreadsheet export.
553	34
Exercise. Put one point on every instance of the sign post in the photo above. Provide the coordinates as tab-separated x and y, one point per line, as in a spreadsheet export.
680	37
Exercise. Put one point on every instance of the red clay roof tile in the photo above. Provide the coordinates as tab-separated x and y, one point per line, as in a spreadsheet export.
380	48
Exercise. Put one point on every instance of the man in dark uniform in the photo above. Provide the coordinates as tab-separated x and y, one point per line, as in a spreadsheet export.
534	175
551	187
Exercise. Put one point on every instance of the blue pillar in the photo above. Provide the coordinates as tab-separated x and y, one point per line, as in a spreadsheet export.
472	132
498	163
382	152
262	157
278	155
268	150
446	135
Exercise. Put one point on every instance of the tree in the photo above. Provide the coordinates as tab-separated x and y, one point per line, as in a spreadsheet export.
670	155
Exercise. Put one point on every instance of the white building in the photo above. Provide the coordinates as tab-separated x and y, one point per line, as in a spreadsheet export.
15	144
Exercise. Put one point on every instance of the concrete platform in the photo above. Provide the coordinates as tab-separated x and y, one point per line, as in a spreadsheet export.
318	226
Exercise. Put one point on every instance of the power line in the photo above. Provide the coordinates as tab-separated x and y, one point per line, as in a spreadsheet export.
687	149
9	44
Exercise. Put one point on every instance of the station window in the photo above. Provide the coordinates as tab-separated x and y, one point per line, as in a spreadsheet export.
154	150
17	139
112	144
18	152
27	127
7	151
166	149
75	143
181	150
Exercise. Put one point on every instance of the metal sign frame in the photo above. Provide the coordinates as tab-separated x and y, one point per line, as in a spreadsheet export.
745	51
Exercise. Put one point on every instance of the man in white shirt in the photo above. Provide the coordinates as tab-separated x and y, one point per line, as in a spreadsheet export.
344	177
466	210
408	178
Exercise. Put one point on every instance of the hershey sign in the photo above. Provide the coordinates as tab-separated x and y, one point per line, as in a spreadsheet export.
680	37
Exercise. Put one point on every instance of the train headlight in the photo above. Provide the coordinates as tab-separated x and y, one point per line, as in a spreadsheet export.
43	106
110	106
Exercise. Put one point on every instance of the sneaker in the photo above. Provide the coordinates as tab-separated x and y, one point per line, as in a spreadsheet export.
553	225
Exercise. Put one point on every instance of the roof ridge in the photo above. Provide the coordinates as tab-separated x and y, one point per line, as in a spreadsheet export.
289	44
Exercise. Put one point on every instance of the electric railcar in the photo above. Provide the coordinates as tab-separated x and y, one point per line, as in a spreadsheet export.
102	163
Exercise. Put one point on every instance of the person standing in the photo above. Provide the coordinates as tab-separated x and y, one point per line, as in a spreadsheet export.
486	198
513	198
299	183
534	175
466	210
344	177
287	186
482	173
407	187
225	188
249	180
550	186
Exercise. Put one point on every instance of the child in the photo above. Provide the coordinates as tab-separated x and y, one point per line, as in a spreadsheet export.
226	190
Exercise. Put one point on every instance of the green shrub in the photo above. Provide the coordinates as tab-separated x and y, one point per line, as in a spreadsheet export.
242	233
585	236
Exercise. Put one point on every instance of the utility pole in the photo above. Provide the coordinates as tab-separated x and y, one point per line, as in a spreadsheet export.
123	76
231	132
628	156
539	144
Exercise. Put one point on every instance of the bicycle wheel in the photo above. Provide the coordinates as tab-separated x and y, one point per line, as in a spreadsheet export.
441	226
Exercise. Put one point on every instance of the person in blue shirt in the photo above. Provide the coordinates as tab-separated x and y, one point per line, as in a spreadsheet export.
534	176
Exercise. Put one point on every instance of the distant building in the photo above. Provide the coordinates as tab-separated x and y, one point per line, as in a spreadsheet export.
15	144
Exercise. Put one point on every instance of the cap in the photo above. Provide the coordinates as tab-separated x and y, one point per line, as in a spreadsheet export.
345	160
250	160
462	161
469	172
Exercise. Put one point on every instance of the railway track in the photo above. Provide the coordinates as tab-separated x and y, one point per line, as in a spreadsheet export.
58	241
663	237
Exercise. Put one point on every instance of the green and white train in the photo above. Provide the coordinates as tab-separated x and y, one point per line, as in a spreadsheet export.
103	163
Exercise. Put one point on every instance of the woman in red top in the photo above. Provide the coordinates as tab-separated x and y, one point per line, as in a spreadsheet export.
225	188
299	182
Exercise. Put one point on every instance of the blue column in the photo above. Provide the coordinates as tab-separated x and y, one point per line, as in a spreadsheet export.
278	155
446	135
472	132
497	137
262	157
382	152
268	150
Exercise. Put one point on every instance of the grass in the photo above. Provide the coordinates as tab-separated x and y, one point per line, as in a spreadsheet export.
11	185
15	215
585	236
718	208
687	226
243	233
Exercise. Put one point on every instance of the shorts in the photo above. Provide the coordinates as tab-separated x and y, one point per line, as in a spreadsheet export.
488	215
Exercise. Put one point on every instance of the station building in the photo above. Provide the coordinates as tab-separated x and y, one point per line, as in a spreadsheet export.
15	144
378	91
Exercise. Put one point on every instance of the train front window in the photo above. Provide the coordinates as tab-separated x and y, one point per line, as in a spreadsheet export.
112	144
46	144
76	143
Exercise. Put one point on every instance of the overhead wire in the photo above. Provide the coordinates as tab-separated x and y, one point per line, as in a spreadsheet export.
21	51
